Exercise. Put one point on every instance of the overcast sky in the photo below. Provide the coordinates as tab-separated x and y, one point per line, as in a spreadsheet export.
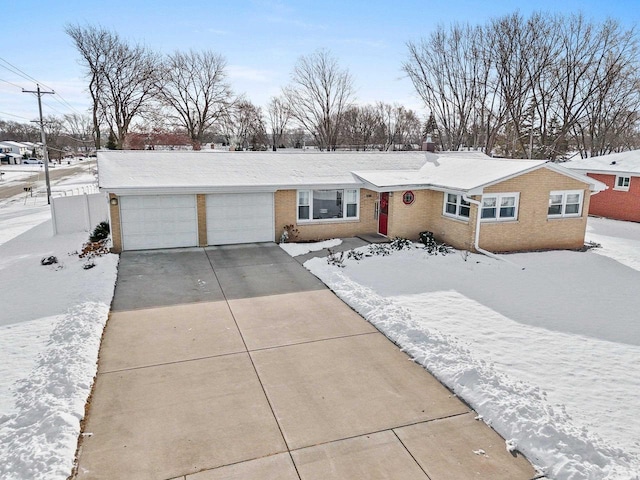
261	40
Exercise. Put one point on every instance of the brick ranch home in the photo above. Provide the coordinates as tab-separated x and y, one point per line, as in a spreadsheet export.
468	200
620	172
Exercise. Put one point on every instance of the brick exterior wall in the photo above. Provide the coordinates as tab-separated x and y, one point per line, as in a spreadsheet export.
286	214
617	204
425	214
533	230
116	232
201	207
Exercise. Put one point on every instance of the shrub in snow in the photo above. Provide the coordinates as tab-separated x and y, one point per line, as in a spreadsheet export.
290	232
48	260
335	258
101	232
431	245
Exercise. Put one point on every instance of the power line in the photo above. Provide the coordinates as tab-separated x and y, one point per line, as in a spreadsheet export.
10	83
19	72
28	77
12	115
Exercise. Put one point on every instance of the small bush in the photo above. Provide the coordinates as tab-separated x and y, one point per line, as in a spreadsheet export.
101	232
432	246
335	258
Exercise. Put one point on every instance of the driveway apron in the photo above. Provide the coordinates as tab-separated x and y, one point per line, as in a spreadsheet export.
235	362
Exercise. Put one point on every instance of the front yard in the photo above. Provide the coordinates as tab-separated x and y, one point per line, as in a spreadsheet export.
545	346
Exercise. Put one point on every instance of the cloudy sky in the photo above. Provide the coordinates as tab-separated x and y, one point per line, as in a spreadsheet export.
261	40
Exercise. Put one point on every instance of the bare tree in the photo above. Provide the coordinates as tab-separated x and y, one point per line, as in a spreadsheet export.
443	69
244	126
539	87
319	93
122	77
279	113
195	87
94	45
360	127
400	126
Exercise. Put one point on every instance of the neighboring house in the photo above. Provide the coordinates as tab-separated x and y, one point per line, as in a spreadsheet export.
621	173
181	199
7	156
17	148
34	147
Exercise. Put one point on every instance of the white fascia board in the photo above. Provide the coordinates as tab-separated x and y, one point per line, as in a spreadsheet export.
619	173
594	185
186	190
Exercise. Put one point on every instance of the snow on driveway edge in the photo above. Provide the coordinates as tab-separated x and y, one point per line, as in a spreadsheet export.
51	400
537	429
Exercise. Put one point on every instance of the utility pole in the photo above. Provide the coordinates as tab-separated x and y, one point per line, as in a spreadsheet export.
39	93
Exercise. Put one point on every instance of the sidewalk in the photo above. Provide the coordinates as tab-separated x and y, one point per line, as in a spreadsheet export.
237	363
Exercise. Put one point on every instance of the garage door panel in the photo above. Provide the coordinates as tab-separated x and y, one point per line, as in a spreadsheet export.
158	221
240	218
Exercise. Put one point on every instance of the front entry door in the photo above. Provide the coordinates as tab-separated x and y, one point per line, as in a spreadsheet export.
383	215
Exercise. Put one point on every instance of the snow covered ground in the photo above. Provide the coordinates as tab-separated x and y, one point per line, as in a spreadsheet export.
545	348
51	322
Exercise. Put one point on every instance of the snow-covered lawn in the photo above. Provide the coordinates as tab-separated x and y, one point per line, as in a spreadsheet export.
51	321
546	348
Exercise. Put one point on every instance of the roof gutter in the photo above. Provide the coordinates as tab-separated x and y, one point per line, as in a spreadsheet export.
476	240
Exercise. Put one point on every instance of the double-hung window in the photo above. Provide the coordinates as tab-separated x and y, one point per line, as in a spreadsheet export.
565	204
330	204
456	206
622	183
500	207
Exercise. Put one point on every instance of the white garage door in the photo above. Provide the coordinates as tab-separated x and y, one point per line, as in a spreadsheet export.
158	221
239	218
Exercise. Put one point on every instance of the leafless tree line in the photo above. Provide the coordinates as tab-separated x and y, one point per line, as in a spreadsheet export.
538	87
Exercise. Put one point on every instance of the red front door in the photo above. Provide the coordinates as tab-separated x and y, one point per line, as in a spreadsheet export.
383	215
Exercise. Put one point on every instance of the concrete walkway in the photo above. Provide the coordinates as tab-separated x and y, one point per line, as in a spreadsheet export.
236	363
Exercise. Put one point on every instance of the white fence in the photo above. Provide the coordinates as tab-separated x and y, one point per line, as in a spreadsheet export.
78	213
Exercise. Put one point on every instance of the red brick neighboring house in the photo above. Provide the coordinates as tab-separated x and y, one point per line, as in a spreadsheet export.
621	173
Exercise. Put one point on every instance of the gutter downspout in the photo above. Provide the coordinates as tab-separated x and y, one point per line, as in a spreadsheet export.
476	240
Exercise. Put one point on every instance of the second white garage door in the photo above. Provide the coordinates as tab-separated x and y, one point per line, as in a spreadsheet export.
239	218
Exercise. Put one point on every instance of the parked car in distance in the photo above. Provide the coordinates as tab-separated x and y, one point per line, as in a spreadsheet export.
33	161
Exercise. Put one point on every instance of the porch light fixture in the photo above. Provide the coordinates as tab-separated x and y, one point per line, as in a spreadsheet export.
114	201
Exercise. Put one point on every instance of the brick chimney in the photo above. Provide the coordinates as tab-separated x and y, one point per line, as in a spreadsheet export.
428	145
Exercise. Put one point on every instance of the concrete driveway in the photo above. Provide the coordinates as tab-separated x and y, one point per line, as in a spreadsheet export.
236	363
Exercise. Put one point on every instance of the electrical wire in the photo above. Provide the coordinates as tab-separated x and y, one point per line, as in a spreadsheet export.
28	77
12	115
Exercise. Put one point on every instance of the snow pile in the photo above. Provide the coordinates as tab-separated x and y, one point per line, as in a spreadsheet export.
617	240
567	400
297	249
51	323
39	440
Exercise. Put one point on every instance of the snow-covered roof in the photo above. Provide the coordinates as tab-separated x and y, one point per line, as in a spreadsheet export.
131	172
122	171
451	172
614	163
14	144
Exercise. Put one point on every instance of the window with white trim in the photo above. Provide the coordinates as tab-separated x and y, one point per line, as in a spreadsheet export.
500	207
328	204
565	204
455	206
622	183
